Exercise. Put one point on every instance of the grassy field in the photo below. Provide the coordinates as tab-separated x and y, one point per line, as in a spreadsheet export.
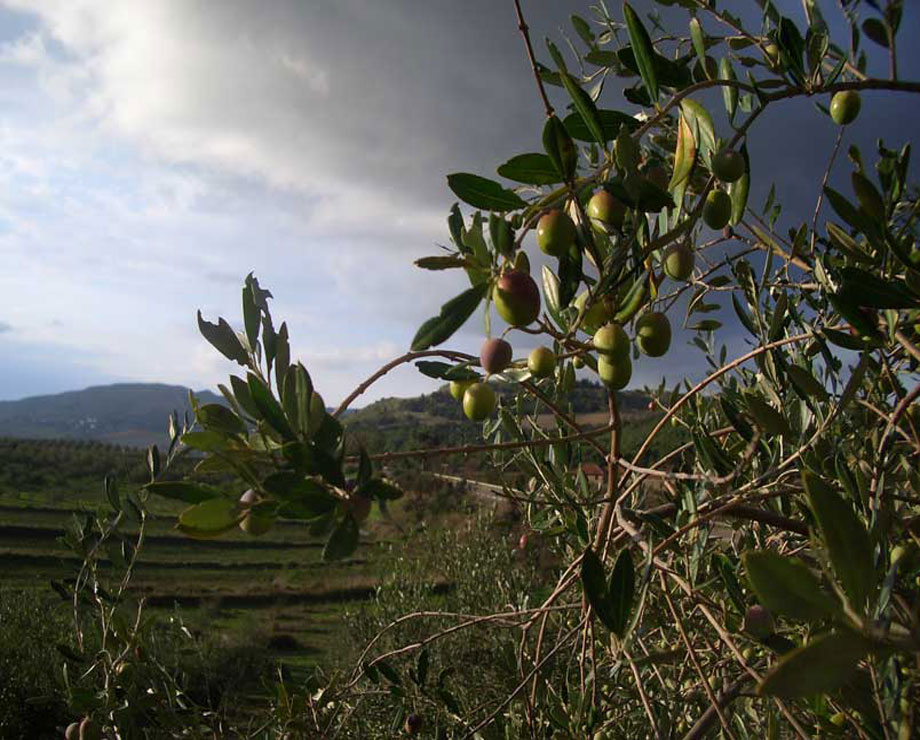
274	587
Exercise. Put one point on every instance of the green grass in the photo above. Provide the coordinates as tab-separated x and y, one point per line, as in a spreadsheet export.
276	586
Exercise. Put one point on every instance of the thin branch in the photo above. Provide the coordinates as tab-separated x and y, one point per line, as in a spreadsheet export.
827	174
401	360
525	32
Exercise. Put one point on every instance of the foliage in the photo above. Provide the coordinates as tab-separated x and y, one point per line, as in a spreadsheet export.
68	467
31	692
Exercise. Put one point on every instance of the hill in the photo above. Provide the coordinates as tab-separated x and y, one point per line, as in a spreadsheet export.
130	414
436	419
135	415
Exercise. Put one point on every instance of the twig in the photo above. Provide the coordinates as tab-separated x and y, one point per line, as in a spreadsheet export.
525	32
827	174
401	360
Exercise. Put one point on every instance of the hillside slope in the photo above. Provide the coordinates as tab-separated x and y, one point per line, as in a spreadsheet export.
435	419
133	414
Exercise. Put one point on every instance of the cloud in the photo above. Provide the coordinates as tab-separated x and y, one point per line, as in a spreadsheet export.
153	151
339	102
5	327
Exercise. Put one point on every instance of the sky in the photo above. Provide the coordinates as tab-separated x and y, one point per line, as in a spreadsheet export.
154	153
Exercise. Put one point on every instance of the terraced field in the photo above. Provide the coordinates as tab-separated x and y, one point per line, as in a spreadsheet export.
276	586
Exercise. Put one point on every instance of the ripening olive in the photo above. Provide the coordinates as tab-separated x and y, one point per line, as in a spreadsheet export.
517	298
413	724
758	622
495	355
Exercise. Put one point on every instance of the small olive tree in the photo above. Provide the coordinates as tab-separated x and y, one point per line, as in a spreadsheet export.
758	580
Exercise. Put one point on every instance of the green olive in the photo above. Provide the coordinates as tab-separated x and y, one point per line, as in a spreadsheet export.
845	107
610	339
254	523
458	388
728	165
614	371
717	211
541	362
595	316
479	401
678	261
653	334
606	212
555	233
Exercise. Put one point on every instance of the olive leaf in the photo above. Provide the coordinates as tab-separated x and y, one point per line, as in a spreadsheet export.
684	154
560	148
824	664
531	169
786	585
209	518
453	315
611	121
845	538
738	190
190	493
224	339
343	541
643	49
480	192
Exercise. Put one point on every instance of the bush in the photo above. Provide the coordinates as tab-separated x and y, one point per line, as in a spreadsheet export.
32	700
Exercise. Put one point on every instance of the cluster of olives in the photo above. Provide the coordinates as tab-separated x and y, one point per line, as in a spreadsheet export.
517	297
495	356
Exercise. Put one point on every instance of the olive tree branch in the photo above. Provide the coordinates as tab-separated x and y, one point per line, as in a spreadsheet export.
525	32
401	360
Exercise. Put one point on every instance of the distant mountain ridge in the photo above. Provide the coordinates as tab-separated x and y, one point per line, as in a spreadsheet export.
132	414
136	415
